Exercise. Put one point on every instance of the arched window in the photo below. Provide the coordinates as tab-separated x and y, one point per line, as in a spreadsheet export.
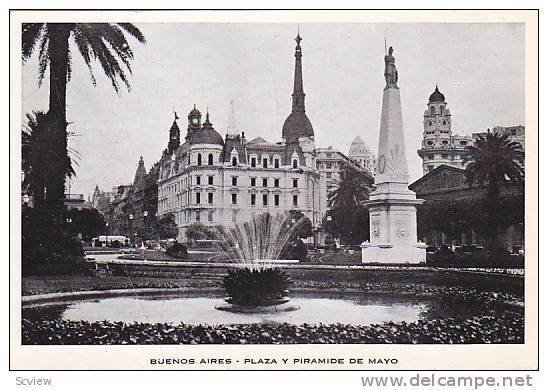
295	164
234	161
210	159
199	159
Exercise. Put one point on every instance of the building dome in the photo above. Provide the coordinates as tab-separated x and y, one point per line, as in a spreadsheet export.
358	148
436	96
207	134
194	111
297	125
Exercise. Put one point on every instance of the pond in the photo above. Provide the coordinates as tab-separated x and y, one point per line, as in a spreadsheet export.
313	308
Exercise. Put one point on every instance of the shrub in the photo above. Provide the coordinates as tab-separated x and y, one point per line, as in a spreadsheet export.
177	250
475	260
256	287
300	252
47	250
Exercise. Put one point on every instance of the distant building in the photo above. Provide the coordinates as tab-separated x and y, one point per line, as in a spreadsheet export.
514	133
216	181
330	162
361	154
100	200
75	201
439	145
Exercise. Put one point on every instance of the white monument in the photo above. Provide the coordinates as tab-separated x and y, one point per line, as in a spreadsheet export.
392	206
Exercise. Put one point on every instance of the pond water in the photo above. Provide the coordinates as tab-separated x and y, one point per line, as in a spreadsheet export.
314	308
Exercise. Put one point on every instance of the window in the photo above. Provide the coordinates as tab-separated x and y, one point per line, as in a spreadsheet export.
210	159
234	161
265	163
265	200
197	198
253	199
198	180
234	216
197	215
199	159
328	155
276	200
328	175
234	181
265	182
295	200
253	182
234	198
276	183
444	123
295	183
210	216
210	180
295	164
276	163
210	198
253	162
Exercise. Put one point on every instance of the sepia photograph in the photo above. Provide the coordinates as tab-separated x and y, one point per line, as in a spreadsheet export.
325	183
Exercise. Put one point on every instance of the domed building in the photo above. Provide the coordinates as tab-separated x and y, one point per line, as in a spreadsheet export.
214	181
439	145
360	153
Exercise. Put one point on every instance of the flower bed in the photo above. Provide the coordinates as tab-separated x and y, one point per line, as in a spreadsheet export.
506	328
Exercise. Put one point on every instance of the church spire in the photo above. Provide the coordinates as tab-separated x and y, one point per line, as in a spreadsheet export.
298	91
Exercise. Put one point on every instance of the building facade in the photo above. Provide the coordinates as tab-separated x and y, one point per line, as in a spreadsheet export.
329	163
447	185
361	154
439	145
215	181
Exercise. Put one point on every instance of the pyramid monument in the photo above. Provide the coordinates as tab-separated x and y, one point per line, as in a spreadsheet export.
392	206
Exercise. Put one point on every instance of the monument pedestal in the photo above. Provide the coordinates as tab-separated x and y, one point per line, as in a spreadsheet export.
393	227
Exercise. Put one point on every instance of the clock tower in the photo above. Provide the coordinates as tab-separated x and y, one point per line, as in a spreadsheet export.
194	122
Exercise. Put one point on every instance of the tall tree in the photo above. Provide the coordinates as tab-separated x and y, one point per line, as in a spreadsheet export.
102	42
493	162
352	190
35	155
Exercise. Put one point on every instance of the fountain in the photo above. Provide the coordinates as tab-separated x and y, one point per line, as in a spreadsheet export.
257	246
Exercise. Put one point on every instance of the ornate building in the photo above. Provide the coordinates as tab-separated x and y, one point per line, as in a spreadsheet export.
361	154
439	145
216	181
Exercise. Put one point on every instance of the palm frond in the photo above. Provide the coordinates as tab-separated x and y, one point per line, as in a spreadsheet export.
43	57
132	30
30	34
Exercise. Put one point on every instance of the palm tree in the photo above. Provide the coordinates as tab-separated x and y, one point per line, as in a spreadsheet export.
35	150
102	42
352	190
493	162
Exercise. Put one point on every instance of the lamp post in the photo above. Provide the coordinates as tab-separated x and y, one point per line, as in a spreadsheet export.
131	227
106	234
145	215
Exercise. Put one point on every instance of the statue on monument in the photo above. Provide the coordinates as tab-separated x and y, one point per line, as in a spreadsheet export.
390	71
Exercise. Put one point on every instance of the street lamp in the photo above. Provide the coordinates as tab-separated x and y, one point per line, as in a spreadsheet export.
145	215
106	235
131	225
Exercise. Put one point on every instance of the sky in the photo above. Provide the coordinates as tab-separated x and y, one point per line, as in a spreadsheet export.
478	67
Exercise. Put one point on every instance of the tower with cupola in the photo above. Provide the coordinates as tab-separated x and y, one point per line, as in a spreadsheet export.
194	122
439	145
